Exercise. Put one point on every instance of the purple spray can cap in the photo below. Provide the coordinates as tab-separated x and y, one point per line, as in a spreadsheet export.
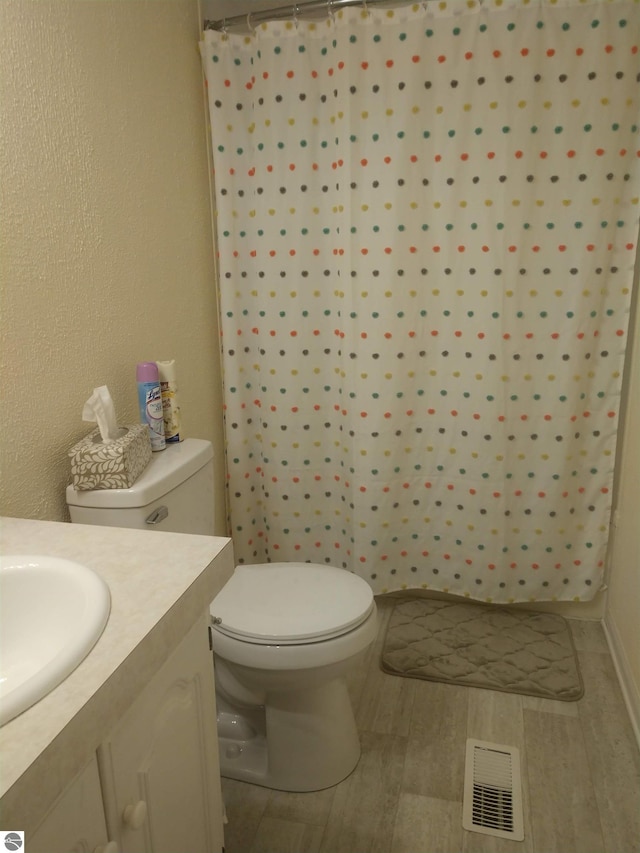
147	371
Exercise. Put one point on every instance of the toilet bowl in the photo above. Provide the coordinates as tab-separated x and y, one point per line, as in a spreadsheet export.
285	638
285	635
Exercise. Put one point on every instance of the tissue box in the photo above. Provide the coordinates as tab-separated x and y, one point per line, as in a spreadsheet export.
116	465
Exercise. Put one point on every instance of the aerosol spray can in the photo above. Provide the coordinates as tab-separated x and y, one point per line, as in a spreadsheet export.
150	402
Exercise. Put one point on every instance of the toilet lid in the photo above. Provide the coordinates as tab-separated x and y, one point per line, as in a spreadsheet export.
283	603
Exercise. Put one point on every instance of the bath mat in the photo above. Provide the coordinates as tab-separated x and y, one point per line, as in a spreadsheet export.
477	645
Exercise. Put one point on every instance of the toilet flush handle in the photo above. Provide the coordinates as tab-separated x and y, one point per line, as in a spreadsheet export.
157	515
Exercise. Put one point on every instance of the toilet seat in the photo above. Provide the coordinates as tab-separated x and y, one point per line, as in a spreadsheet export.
291	603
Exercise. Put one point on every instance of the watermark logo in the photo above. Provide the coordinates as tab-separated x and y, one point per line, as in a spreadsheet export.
12	840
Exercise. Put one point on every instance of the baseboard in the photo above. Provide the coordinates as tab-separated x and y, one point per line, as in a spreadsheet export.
628	686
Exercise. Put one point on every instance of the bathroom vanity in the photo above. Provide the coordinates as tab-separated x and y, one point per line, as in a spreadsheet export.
123	755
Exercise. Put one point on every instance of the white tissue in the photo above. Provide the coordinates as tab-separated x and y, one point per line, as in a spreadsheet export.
99	409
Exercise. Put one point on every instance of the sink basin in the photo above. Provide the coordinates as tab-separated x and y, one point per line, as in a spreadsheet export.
52	612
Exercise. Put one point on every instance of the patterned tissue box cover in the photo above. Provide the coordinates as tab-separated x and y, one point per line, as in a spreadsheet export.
116	465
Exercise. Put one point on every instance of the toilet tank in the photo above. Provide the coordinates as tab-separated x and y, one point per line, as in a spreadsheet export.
173	494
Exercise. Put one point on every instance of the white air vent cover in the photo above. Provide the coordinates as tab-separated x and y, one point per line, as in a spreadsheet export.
492	790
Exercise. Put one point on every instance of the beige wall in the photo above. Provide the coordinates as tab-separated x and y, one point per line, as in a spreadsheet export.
622	618
106	252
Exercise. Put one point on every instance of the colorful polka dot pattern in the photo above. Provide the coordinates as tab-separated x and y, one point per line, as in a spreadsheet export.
427	228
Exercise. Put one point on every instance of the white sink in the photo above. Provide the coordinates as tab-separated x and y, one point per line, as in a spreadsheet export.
52	612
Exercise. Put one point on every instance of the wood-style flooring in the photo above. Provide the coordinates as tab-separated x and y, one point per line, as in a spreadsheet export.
580	770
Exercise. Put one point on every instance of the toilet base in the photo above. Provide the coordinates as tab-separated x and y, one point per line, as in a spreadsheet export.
297	741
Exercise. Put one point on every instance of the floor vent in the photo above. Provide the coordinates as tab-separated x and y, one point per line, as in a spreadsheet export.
492	790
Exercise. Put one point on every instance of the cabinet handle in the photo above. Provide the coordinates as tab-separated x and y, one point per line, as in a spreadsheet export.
111	847
135	816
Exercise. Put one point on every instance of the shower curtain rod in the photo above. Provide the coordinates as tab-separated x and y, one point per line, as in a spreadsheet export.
281	12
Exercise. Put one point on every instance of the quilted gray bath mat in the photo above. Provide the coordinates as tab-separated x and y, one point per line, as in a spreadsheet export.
478	645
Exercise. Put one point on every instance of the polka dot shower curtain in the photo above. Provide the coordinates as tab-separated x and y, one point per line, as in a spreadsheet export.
427	221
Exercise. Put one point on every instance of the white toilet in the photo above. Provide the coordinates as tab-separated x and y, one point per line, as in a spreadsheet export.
285	635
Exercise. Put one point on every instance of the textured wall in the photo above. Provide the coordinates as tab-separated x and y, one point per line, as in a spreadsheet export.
106	254
624	581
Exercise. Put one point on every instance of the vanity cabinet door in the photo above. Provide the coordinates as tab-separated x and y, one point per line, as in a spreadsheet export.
75	823
159	768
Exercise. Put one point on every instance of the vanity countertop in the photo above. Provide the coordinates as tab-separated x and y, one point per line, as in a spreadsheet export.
160	584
